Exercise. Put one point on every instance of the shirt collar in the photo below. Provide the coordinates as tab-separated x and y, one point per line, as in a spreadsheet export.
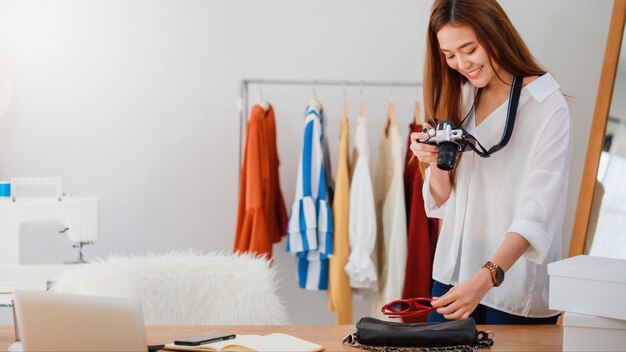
543	87
315	110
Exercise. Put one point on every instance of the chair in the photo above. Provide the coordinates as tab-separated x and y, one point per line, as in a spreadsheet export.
185	288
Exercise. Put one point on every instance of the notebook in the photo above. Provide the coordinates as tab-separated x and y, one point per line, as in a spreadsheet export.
273	342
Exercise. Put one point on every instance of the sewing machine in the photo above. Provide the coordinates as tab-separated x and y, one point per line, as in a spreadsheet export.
77	218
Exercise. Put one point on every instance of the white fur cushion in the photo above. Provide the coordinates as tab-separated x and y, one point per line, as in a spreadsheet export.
185	288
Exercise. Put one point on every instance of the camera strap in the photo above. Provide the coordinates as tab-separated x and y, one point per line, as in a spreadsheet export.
509	124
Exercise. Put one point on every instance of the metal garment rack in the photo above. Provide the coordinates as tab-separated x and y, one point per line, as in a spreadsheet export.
245	83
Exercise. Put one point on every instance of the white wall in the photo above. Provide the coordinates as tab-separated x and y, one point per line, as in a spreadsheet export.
134	101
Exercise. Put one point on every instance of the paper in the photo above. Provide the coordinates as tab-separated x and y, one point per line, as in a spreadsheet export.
261	343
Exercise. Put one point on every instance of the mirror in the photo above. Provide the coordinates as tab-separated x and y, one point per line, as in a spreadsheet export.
600	223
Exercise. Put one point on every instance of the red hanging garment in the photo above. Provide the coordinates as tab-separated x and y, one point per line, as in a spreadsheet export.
262	215
422	234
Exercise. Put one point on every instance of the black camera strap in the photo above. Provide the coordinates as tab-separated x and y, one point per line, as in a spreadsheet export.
509	124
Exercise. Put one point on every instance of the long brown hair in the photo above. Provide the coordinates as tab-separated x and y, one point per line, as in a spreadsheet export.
494	32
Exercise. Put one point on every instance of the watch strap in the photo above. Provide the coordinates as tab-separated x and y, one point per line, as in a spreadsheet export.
493	270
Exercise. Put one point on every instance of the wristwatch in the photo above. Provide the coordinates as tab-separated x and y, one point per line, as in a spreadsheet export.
497	274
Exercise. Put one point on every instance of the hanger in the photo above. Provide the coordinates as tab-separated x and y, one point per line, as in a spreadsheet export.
315	101
392	113
362	103
417	116
392	109
391	119
344	104
262	102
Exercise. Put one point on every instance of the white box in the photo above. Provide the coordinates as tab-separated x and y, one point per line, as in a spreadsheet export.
590	333
589	285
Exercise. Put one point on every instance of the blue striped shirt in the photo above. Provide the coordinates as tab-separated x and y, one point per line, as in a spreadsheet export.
310	229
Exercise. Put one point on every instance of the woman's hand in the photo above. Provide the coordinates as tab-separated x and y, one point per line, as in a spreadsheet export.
426	153
440	183
462	299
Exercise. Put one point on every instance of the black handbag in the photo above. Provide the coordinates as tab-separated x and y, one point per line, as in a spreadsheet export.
457	335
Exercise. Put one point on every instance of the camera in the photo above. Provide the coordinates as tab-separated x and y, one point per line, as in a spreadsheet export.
449	140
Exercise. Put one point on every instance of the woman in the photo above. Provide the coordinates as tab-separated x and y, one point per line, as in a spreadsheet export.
501	214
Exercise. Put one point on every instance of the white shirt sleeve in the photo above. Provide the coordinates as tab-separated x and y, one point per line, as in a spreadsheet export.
541	195
432	210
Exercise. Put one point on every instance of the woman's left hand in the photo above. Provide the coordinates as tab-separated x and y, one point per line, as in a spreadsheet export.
462	299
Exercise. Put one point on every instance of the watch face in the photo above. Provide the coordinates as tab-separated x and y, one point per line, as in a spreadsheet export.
499	275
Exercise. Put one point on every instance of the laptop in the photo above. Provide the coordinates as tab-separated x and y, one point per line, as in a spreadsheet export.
47	321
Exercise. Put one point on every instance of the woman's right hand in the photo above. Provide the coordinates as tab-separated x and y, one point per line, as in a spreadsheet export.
426	153
440	183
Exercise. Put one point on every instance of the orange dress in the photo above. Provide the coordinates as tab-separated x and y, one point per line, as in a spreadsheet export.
262	215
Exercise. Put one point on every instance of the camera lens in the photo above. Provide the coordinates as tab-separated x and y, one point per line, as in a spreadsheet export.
447	156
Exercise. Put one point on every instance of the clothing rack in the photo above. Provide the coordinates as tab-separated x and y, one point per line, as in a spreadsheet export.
242	104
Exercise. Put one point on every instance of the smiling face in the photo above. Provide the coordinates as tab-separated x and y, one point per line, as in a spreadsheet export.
464	53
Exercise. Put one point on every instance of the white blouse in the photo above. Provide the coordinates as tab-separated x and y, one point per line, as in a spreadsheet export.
522	189
362	219
389	195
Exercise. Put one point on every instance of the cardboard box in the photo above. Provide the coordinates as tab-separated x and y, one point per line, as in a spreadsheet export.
591	333
589	285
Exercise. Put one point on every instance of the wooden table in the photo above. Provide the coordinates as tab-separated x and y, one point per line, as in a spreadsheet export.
507	337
